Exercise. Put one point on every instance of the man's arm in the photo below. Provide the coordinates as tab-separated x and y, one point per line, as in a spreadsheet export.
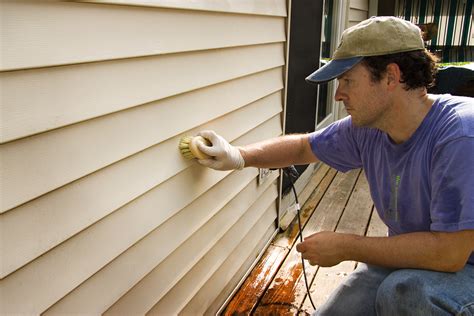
439	251
273	153
279	152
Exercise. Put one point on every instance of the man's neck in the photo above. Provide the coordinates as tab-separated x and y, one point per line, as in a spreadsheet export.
407	113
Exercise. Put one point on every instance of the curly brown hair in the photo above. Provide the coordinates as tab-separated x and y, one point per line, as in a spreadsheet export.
418	68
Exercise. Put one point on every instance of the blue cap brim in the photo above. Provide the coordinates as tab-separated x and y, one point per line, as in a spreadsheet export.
333	69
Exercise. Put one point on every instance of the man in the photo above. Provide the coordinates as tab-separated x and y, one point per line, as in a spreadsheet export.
417	151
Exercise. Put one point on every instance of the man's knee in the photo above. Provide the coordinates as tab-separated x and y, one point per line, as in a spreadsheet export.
401	293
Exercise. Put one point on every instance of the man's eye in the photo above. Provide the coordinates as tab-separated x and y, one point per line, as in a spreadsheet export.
345	81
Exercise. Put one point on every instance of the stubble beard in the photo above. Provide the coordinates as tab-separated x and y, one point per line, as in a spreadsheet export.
374	117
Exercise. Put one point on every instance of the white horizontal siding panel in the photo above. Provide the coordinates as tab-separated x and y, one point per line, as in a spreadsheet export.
83	202
36	165
183	291
263	7
359	4
357	15
213	287
70	263
24	288
140	298
269	129
46	33
38	100
100	291
78	205
352	23
255	220
252	258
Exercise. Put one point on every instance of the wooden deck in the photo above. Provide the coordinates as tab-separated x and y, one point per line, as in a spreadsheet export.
338	202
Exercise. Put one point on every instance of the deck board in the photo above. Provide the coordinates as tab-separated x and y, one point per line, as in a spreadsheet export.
288	237
376	226
248	296
339	202
287	291
354	220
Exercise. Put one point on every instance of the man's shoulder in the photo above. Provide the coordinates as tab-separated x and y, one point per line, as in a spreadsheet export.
459	104
455	114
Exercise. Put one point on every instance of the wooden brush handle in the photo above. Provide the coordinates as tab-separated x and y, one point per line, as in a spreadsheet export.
195	150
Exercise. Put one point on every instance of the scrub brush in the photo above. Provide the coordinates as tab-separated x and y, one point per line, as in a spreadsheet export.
189	149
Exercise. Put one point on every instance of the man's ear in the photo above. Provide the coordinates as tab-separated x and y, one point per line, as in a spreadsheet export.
394	75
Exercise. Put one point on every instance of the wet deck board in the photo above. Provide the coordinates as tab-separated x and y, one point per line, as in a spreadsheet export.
329	278
339	202
287	291
355	220
246	299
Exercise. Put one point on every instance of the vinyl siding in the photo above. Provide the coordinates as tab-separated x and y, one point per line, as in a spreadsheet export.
65	33
358	11
96	200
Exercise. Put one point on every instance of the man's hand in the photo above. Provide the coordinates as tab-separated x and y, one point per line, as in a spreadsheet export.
437	251
324	248
224	155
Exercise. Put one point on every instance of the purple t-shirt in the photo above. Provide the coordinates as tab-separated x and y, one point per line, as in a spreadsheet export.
423	184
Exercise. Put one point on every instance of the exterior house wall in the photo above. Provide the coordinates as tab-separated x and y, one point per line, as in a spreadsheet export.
358	11
99	211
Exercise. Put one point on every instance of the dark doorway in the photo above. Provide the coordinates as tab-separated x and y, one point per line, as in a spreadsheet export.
304	58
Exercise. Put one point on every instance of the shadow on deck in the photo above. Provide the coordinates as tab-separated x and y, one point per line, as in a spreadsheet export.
339	202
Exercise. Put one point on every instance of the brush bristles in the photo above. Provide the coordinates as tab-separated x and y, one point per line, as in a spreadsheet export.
188	146
184	147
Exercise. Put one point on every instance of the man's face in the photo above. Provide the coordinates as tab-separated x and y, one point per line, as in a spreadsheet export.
363	99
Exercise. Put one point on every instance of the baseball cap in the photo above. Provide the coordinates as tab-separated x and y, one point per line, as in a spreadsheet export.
381	35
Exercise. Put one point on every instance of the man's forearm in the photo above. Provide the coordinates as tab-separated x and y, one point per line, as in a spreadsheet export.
422	250
437	251
278	152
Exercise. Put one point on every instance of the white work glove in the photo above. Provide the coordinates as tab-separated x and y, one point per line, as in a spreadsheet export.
224	156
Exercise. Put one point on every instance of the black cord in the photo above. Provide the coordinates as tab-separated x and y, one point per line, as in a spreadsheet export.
291	173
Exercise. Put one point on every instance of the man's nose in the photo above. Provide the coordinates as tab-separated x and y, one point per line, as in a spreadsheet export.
338	96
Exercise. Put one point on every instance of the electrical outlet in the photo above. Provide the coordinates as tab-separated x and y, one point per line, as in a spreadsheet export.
263	174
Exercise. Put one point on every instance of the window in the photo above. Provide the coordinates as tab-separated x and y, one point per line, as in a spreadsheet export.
325	102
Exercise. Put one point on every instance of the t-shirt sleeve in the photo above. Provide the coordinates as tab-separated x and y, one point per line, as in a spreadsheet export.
452	191
335	145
